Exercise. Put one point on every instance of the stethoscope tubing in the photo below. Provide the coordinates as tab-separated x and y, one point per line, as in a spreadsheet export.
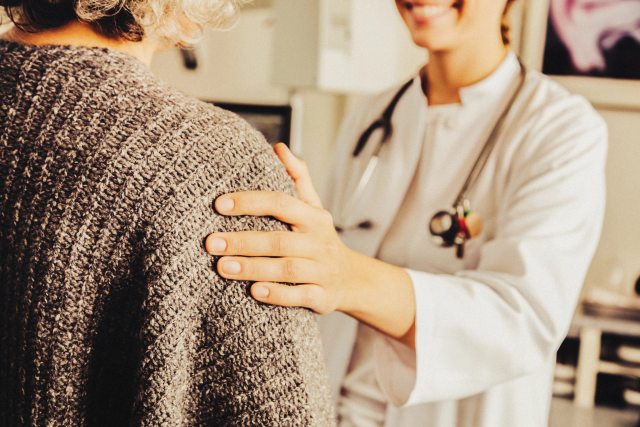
384	123
492	139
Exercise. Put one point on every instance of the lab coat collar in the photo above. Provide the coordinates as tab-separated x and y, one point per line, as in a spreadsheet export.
495	84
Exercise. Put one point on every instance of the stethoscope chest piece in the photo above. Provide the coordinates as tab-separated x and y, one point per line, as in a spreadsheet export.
444	227
454	227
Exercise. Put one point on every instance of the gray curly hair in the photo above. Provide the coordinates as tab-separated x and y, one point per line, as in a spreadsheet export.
177	21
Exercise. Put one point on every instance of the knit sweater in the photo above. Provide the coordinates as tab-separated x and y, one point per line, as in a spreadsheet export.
111	312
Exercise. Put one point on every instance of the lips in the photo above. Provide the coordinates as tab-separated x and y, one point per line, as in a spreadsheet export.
423	11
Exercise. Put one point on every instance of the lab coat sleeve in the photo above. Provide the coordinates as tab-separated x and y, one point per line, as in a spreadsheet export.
480	328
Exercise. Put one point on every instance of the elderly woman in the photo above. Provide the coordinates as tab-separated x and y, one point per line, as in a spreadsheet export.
110	310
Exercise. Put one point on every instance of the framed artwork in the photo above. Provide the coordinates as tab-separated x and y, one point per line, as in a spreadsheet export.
592	47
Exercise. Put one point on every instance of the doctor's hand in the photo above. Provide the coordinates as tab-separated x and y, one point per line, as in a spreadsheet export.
326	274
312	256
299	174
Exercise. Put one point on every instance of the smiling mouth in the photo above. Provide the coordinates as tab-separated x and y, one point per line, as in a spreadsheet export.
426	11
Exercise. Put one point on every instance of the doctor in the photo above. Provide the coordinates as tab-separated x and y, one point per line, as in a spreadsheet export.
462	332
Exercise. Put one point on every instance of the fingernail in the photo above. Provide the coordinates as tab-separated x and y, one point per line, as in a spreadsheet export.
260	292
217	244
231	267
224	204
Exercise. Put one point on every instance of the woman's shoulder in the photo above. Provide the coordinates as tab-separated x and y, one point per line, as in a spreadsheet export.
168	139
546	103
553	126
203	132
176	130
171	127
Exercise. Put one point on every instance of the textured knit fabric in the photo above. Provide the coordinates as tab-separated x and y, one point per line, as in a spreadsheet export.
111	312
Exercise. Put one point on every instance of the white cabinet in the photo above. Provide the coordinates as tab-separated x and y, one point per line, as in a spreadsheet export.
233	65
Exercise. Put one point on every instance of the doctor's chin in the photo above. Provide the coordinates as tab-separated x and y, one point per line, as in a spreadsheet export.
354	213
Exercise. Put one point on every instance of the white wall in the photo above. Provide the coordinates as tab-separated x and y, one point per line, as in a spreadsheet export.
233	65
617	262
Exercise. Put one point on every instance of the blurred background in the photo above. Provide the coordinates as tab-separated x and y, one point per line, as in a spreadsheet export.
293	68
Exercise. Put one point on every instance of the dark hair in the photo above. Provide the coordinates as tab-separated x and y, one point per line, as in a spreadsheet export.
504	24
35	15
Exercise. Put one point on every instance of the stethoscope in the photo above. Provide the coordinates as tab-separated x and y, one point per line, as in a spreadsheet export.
451	227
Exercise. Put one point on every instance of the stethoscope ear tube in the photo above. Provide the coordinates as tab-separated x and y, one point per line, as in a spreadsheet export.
362	141
384	122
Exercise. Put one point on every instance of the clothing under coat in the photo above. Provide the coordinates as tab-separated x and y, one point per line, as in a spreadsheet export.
488	325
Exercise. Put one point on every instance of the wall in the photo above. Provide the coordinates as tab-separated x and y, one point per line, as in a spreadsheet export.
617	261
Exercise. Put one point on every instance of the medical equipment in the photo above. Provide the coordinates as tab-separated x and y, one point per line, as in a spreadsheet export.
447	227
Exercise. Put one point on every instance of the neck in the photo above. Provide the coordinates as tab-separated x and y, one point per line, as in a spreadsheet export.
449	71
81	34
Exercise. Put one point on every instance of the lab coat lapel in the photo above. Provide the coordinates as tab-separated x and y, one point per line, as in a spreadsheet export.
386	190
379	203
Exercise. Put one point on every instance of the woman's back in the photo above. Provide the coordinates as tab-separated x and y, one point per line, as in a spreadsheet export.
110	310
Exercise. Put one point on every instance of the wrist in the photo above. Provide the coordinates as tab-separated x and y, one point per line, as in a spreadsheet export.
353	284
378	294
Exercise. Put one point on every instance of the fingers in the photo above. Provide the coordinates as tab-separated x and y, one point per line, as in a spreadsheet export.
262	243
290	270
294	166
279	205
299	173
308	296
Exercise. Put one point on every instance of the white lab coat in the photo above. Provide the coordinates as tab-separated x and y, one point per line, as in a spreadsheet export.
487	326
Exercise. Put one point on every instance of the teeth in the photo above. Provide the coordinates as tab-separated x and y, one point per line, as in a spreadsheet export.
428	11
